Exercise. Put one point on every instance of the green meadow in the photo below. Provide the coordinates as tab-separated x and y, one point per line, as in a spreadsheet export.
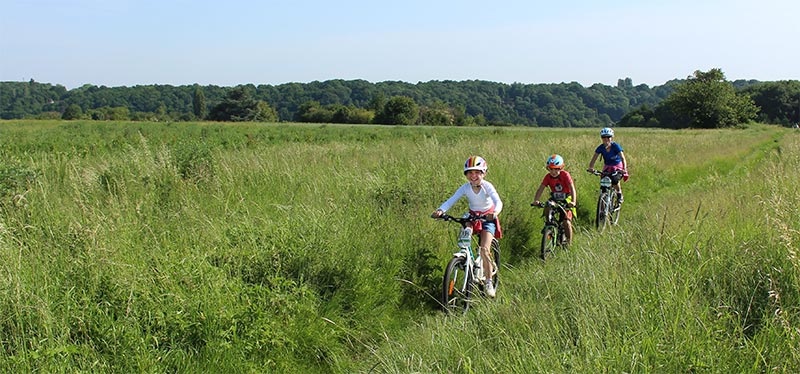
235	248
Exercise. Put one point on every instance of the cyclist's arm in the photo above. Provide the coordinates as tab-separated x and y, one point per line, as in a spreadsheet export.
538	194
573	193
461	191
624	161
498	203
594	158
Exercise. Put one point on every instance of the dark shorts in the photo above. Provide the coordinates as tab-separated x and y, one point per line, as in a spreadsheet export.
615	178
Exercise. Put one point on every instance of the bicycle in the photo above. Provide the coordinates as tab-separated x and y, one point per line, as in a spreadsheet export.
608	205
553	233
465	268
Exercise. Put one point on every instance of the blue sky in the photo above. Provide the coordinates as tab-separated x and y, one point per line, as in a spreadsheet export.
226	43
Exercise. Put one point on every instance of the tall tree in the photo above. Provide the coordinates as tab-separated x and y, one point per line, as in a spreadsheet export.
707	100
399	110
263	112
73	111
239	105
199	102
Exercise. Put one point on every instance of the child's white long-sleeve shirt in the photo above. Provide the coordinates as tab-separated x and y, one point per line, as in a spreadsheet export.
481	201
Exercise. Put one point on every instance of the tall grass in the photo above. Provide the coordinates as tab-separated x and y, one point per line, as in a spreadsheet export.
275	248
700	276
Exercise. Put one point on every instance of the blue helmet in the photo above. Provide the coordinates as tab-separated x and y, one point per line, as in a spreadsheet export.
555	162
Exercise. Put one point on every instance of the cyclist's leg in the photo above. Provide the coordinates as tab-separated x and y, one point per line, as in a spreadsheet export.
486	253
487	235
615	183
546	213
567	224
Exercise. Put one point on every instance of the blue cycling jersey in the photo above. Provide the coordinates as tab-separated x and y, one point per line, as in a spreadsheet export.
611	156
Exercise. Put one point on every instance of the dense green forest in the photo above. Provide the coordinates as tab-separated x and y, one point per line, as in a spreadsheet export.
392	102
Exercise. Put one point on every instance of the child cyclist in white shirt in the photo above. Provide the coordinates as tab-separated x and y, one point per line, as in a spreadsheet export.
483	200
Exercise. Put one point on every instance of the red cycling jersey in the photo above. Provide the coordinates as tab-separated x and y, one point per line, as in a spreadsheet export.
559	184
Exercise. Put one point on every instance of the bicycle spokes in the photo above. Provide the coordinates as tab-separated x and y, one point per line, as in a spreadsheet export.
463	270
457	285
549	243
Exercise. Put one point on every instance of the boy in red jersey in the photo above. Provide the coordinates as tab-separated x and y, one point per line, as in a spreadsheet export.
562	191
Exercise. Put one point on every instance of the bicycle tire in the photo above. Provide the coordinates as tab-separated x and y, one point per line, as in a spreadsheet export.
456	286
614	216
549	234
600	216
496	258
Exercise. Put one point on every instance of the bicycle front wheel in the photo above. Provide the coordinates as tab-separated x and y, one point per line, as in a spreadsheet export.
602	217
456	286
548	242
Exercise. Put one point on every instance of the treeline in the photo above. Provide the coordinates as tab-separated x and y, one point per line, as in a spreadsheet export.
459	103
707	100
340	101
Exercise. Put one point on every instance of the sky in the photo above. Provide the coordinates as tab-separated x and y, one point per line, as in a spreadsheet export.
226	43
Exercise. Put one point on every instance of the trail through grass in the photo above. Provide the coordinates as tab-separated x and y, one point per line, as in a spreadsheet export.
308	248
700	275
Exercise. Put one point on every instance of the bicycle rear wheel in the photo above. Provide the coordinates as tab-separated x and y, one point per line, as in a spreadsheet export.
548	241
456	286
615	208
496	259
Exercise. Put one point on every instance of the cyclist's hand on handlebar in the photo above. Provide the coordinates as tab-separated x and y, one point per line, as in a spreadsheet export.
569	205
490	216
437	213
536	203
591	170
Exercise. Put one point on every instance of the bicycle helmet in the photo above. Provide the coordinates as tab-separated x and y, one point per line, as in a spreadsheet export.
606	131
475	163
555	162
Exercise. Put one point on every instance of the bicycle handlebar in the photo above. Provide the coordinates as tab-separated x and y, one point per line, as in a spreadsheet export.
550	203
599	172
462	220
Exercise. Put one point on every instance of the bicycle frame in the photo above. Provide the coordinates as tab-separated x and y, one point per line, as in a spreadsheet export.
607	206
553	233
465	251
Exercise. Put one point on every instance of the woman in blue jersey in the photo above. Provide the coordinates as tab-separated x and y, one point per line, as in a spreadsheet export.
613	159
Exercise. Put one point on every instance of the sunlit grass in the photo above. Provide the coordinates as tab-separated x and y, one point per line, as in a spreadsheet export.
696	279
236	248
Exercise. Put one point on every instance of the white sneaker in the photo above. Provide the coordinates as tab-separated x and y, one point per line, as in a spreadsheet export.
490	289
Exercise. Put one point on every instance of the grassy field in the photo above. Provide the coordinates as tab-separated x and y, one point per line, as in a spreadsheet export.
153	247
